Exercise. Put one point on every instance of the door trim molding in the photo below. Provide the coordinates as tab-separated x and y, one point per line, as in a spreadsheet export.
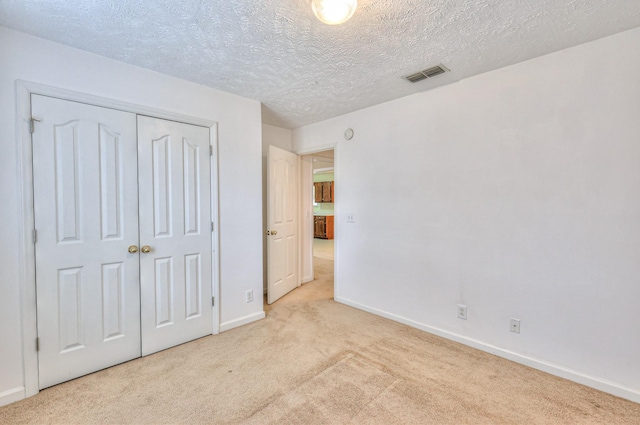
215	234
74	96
26	249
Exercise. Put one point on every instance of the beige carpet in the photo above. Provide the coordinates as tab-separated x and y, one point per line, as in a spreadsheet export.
314	361
323	248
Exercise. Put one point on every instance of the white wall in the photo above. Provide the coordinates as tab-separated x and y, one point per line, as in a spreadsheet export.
281	138
516	193
36	60
275	136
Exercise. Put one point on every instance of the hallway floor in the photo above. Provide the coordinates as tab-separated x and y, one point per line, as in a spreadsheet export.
323	248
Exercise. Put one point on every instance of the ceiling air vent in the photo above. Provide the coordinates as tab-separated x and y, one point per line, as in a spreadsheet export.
426	73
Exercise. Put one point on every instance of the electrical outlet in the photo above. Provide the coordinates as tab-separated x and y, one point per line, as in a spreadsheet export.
514	325
462	311
248	296
351	218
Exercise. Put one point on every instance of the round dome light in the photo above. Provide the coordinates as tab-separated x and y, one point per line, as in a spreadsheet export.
334	12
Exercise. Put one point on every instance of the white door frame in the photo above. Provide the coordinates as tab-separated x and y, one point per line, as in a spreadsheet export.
26	250
336	211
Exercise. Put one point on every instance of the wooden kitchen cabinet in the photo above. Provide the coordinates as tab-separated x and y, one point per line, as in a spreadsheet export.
319	226
317	192
324	191
323	226
327	192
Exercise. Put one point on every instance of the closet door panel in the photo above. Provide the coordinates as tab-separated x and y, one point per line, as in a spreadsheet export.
175	228
86	217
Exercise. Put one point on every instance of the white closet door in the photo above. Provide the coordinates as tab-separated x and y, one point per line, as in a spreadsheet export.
175	227
86	217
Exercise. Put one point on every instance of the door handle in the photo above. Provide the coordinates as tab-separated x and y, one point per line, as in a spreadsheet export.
274	232
271	232
146	249
133	249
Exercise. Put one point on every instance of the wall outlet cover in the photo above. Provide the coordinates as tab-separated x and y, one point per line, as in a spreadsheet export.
514	325
462	311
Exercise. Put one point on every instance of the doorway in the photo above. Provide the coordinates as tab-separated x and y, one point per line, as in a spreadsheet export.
299	190
316	216
323	191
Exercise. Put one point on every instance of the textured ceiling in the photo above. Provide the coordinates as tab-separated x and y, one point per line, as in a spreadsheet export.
303	71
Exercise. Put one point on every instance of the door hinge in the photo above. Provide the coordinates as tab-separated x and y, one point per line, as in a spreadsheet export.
37	344
210	150
32	124
35	235
212	227
213	301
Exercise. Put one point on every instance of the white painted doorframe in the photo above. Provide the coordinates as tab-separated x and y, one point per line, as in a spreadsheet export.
26	250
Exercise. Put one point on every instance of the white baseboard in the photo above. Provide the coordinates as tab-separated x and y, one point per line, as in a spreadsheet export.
12	395
241	321
307	279
551	368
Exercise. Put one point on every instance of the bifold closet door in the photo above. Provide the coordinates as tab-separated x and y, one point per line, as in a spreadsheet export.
86	217
175	232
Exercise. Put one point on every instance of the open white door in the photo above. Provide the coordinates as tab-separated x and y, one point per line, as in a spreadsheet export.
282	222
175	233
86	218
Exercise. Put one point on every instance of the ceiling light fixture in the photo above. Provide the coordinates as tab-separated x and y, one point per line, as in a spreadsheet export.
334	12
